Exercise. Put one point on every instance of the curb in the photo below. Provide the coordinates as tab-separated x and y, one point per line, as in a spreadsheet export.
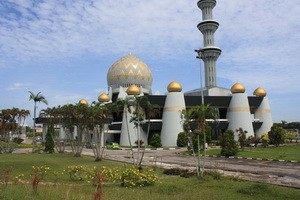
247	158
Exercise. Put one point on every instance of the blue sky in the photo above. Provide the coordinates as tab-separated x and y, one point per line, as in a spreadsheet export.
65	48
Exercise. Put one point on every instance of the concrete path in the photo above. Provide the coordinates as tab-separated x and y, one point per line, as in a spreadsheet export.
274	172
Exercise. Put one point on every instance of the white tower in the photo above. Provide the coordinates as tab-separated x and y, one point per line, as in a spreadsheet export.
172	123
238	113
209	53
263	113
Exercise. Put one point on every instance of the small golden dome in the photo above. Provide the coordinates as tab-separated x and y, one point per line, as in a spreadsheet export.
237	88
133	90
174	87
103	98
260	92
83	101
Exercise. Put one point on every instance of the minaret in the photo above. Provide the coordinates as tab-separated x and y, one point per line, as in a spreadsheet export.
172	122
238	112
263	113
209	53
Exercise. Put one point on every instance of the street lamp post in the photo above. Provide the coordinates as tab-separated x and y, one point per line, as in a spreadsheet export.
200	57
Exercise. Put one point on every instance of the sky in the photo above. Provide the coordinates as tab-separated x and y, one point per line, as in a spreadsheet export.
64	49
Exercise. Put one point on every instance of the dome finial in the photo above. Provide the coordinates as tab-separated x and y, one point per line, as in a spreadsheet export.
260	92
133	90
174	87
103	98
83	101
237	88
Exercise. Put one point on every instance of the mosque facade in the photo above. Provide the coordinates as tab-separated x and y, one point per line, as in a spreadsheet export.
129	77
236	109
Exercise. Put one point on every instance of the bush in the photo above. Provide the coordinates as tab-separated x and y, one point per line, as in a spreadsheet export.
155	141
276	135
181	139
174	171
18	140
141	143
7	147
30	134
49	145
213	173
228	144
290	135
132	177
242	137
265	140
252	140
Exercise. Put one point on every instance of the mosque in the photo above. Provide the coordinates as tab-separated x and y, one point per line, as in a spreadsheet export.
130	76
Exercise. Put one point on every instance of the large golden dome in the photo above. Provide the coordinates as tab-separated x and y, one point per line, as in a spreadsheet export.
129	70
237	88
83	101
133	90
260	92
103	98
174	87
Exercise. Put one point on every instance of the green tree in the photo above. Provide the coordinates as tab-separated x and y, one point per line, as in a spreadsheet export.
228	144
181	139
49	144
276	135
197	116
36	98
242	137
156	141
100	118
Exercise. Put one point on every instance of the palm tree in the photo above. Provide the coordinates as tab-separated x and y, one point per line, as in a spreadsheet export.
36	98
198	116
148	110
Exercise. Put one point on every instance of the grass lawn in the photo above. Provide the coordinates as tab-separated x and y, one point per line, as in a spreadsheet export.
285	152
169	187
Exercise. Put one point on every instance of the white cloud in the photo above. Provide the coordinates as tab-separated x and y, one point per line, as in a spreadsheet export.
17	86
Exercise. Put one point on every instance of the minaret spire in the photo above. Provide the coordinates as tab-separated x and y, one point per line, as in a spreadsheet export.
209	53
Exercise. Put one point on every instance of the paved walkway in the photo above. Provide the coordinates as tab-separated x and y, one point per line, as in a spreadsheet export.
274	172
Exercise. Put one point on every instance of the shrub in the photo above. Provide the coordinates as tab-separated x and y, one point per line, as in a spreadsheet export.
276	135
132	177
18	140
242	137
174	171
181	139
38	174
155	141
228	144
214	173
77	173
265	140
49	145
7	147
141	143
290	135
